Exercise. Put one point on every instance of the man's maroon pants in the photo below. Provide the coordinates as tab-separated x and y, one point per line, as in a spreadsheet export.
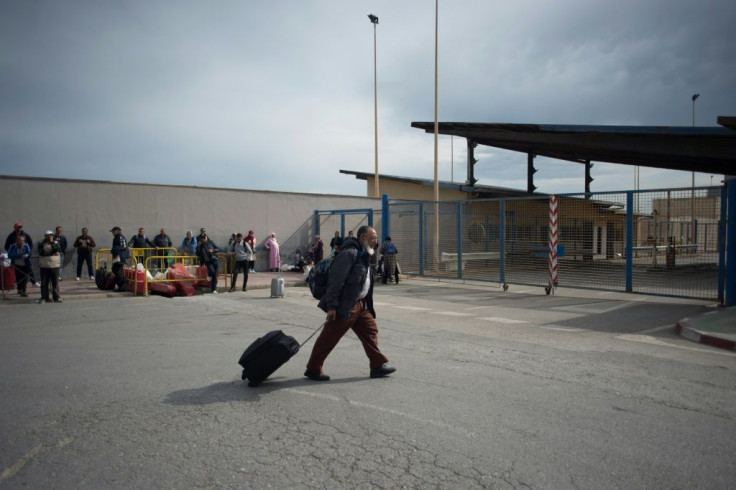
365	328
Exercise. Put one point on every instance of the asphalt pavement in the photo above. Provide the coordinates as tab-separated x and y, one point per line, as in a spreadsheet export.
494	389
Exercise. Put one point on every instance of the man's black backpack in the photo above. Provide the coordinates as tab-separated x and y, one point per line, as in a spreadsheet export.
319	276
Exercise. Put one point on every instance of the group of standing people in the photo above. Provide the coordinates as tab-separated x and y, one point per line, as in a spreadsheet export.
54	246
19	246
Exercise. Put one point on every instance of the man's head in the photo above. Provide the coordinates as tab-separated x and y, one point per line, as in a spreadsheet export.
350	233
239	237
368	238
59	230
85	231
189	234
18	226
49	236
163	231
202	231
115	230
141	232
19	240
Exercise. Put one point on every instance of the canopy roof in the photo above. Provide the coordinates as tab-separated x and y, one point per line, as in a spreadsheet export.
698	149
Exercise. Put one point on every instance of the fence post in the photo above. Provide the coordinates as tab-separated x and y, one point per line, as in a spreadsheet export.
721	244
730	244
629	238
458	220
316	222
385	217
501	240
421	238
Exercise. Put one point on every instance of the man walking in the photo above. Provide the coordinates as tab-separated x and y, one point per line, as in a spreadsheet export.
348	302
241	249
84	245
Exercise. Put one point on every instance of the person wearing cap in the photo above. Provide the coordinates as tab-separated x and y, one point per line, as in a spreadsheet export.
12	238
390	265
120	253
20	254
49	261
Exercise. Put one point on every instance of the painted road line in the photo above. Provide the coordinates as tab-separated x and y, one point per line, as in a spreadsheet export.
452	313
560	328
502	320
413	308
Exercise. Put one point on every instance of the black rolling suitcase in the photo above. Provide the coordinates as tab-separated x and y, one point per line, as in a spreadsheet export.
104	279
264	356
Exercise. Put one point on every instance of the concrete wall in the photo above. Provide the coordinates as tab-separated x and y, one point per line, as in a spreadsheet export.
42	204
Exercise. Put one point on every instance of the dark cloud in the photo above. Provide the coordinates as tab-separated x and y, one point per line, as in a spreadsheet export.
279	95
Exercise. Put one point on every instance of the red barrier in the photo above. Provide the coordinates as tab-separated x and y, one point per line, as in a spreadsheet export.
136	280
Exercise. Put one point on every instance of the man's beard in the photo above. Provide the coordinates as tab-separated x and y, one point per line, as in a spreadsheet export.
368	249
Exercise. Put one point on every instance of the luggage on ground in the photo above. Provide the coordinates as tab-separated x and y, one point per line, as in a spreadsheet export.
162	288
266	355
8	278
277	287
105	279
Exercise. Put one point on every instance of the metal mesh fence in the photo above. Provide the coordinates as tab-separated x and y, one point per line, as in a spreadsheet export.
674	243
345	221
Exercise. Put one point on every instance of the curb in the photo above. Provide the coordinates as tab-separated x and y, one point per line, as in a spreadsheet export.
684	329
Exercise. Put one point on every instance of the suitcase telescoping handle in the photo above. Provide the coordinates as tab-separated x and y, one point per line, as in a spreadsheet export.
313	334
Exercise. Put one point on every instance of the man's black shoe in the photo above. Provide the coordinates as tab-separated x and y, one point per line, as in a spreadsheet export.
315	376
382	371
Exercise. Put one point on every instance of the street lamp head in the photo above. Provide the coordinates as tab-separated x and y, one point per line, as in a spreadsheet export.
695	96
373	18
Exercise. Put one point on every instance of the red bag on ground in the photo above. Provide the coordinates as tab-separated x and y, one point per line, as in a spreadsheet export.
162	288
8	278
183	288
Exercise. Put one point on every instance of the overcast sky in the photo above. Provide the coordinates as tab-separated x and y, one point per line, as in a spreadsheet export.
278	95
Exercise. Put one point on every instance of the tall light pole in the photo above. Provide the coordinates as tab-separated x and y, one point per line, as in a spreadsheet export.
436	136
374	21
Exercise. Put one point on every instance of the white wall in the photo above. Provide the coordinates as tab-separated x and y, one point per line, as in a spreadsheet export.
42	204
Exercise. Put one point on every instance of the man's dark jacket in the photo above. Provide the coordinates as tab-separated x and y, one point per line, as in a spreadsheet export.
347	273
140	242
12	237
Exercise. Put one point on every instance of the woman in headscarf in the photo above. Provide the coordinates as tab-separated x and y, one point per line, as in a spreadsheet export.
274	255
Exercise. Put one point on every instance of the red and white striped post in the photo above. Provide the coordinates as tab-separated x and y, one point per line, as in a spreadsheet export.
552	244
